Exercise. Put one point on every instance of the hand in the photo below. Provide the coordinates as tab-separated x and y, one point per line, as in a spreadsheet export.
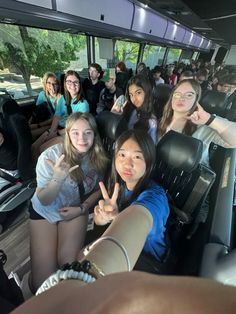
118	107
68	213
61	169
107	208
200	116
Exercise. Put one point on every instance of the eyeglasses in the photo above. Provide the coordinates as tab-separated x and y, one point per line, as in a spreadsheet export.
70	83
52	84
186	96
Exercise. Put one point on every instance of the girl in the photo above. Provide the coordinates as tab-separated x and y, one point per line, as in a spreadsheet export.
49	96
138	209
138	110
132	165
66	174
72	101
183	113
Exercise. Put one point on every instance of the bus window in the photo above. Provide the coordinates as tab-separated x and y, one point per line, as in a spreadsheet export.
173	55
153	55
26	53
127	52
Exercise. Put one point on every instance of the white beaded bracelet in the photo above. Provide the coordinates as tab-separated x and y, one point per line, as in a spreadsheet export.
60	275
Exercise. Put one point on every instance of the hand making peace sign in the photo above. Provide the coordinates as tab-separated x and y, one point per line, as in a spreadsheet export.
61	168
107	208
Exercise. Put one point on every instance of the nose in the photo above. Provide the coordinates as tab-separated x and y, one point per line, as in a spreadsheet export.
128	162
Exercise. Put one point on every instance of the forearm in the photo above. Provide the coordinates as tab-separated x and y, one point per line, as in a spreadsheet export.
140	219
54	124
226	129
47	195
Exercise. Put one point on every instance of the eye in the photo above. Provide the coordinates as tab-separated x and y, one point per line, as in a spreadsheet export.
88	133
189	95
138	157
121	155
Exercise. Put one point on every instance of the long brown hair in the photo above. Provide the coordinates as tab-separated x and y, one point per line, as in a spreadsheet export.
67	95
168	112
96	153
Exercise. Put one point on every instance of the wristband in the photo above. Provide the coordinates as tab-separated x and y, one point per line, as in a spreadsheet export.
210	120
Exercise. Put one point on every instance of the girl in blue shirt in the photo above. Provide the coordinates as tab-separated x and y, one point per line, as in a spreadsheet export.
133	162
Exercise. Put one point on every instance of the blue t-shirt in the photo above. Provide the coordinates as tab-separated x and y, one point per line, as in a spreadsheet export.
155	200
43	99
61	110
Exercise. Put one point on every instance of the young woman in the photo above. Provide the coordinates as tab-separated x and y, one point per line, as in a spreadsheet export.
138	110
49	96
72	101
130	179
183	113
66	174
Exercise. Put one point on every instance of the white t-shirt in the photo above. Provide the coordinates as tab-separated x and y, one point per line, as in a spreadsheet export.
69	192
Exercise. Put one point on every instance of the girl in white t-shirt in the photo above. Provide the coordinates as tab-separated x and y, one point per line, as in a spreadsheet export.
66	174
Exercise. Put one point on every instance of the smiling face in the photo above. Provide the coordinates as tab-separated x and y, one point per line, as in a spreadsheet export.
136	95
73	85
81	135
130	163
183	98
52	86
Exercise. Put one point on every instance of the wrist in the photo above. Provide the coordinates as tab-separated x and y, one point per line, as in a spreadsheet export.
211	119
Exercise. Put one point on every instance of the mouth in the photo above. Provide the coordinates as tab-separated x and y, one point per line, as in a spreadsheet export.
127	174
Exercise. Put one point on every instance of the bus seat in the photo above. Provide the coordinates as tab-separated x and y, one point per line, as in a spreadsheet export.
214	102
186	181
110	126
161	94
13	122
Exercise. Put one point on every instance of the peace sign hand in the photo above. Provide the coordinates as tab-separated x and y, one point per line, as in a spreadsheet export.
107	209
61	169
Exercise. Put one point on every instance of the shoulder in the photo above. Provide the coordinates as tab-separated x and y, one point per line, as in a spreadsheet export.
154	194
52	152
41	98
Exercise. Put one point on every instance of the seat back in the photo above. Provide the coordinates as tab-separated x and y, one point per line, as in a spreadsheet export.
110	126
214	102
185	180
15	125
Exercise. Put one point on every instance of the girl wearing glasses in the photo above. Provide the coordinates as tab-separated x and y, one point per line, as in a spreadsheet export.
47	98
66	174
72	101
184	114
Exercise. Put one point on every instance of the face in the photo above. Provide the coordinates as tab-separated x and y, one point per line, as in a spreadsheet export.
183	98
136	95
52	86
130	163
93	73
110	84
81	136
73	85
226	88
201	79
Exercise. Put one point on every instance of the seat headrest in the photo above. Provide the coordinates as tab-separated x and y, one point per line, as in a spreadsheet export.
214	102
179	151
111	125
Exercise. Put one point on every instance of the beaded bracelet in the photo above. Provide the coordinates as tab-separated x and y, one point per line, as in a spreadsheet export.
75	270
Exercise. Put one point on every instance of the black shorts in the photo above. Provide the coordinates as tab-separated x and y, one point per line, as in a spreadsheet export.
33	214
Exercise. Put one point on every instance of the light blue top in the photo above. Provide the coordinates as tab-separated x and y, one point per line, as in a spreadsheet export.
154	199
42	99
61	110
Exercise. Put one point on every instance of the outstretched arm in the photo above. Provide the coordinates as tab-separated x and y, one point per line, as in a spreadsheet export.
135	292
225	128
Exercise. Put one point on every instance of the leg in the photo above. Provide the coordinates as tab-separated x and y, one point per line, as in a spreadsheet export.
51	142
43	250
71	235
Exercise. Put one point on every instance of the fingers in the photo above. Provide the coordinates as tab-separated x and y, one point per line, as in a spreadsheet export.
51	162
104	191
73	168
115	193
58	162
